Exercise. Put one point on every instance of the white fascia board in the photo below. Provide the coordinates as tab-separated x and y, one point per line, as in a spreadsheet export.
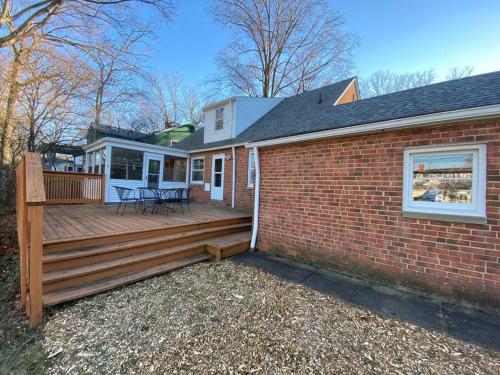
219	103
135	146
217	148
403	123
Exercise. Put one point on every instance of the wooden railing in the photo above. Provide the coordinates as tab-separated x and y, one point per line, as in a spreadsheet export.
73	188
35	189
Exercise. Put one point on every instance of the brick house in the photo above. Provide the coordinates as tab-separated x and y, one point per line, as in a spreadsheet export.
402	188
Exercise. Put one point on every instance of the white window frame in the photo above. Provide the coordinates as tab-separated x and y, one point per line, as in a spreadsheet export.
451	211
250	170
221	119
196	182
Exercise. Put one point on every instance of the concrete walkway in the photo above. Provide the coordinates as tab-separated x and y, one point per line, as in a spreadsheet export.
469	325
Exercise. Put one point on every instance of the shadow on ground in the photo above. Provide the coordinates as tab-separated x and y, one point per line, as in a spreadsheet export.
473	326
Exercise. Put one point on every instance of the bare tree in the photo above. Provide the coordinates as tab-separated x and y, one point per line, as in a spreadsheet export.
281	46
168	101
54	85
66	21
459	72
115	68
385	82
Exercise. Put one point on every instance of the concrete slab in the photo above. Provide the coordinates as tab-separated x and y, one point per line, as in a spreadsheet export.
476	327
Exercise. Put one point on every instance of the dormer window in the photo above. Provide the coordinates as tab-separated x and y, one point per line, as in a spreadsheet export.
219	118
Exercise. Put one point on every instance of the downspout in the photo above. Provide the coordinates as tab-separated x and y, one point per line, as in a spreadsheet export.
255	225
233	186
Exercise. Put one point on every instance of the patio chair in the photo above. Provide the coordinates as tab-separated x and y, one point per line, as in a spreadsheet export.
186	197
176	197
125	195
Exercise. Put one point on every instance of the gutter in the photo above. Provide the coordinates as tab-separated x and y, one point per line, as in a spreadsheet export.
404	123
233	187
255	225
216	148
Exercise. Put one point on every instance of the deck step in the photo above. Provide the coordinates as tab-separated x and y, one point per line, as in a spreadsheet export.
98	254
106	239
87	289
232	244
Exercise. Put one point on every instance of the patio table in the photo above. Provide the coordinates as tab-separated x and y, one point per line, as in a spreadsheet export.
156	197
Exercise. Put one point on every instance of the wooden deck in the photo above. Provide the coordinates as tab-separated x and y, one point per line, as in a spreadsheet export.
83	221
90	249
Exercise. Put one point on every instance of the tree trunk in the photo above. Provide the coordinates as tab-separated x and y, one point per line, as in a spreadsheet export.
7	124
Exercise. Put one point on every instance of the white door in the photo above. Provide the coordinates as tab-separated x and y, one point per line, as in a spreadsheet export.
153	168
217	177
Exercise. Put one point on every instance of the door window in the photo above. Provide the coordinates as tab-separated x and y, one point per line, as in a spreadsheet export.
153	173
218	173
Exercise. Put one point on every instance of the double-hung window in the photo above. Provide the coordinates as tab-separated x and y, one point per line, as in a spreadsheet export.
197	170
219	118
251	168
445	182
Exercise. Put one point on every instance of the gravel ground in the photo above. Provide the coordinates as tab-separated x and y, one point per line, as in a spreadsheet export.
217	318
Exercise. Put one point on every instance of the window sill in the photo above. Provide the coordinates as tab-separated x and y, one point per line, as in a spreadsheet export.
197	182
249	187
445	217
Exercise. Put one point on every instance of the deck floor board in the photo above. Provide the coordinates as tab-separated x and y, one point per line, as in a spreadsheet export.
80	221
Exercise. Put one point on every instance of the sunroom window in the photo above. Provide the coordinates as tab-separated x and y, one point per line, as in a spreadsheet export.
174	169
126	164
445	180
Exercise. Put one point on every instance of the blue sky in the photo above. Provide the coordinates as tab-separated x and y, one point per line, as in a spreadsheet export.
400	36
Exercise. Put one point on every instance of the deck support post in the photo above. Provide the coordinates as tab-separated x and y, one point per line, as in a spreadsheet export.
35	224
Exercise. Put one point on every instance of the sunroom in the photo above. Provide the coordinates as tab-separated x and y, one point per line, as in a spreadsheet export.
133	165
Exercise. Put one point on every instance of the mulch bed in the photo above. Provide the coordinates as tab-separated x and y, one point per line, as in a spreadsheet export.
225	317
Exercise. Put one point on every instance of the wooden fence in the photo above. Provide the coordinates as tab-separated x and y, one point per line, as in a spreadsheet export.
73	188
35	189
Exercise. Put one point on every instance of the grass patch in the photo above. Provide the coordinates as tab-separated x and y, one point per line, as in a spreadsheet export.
20	346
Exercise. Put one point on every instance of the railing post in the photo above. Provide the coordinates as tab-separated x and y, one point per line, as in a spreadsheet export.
35	198
103	188
35	221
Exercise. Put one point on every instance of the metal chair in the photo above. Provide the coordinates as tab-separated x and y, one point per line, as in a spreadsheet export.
124	194
174	196
186	195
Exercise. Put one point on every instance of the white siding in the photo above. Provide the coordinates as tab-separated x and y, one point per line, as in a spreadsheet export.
213	135
159	151
249	110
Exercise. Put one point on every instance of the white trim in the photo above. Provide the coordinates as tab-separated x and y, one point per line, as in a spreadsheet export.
191	171
212	177
408	122
478	206
249	171
197	151
219	103
345	90
133	145
255	225
233	184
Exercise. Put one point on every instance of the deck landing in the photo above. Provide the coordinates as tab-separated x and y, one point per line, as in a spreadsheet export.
72	222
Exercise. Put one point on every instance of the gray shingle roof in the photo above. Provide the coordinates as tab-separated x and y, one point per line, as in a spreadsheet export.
293	117
329	94
302	114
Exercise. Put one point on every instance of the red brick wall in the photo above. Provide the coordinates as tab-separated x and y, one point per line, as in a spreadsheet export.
338	203
198	193
244	196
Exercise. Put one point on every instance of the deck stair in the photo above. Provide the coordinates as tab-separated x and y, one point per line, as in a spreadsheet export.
84	266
